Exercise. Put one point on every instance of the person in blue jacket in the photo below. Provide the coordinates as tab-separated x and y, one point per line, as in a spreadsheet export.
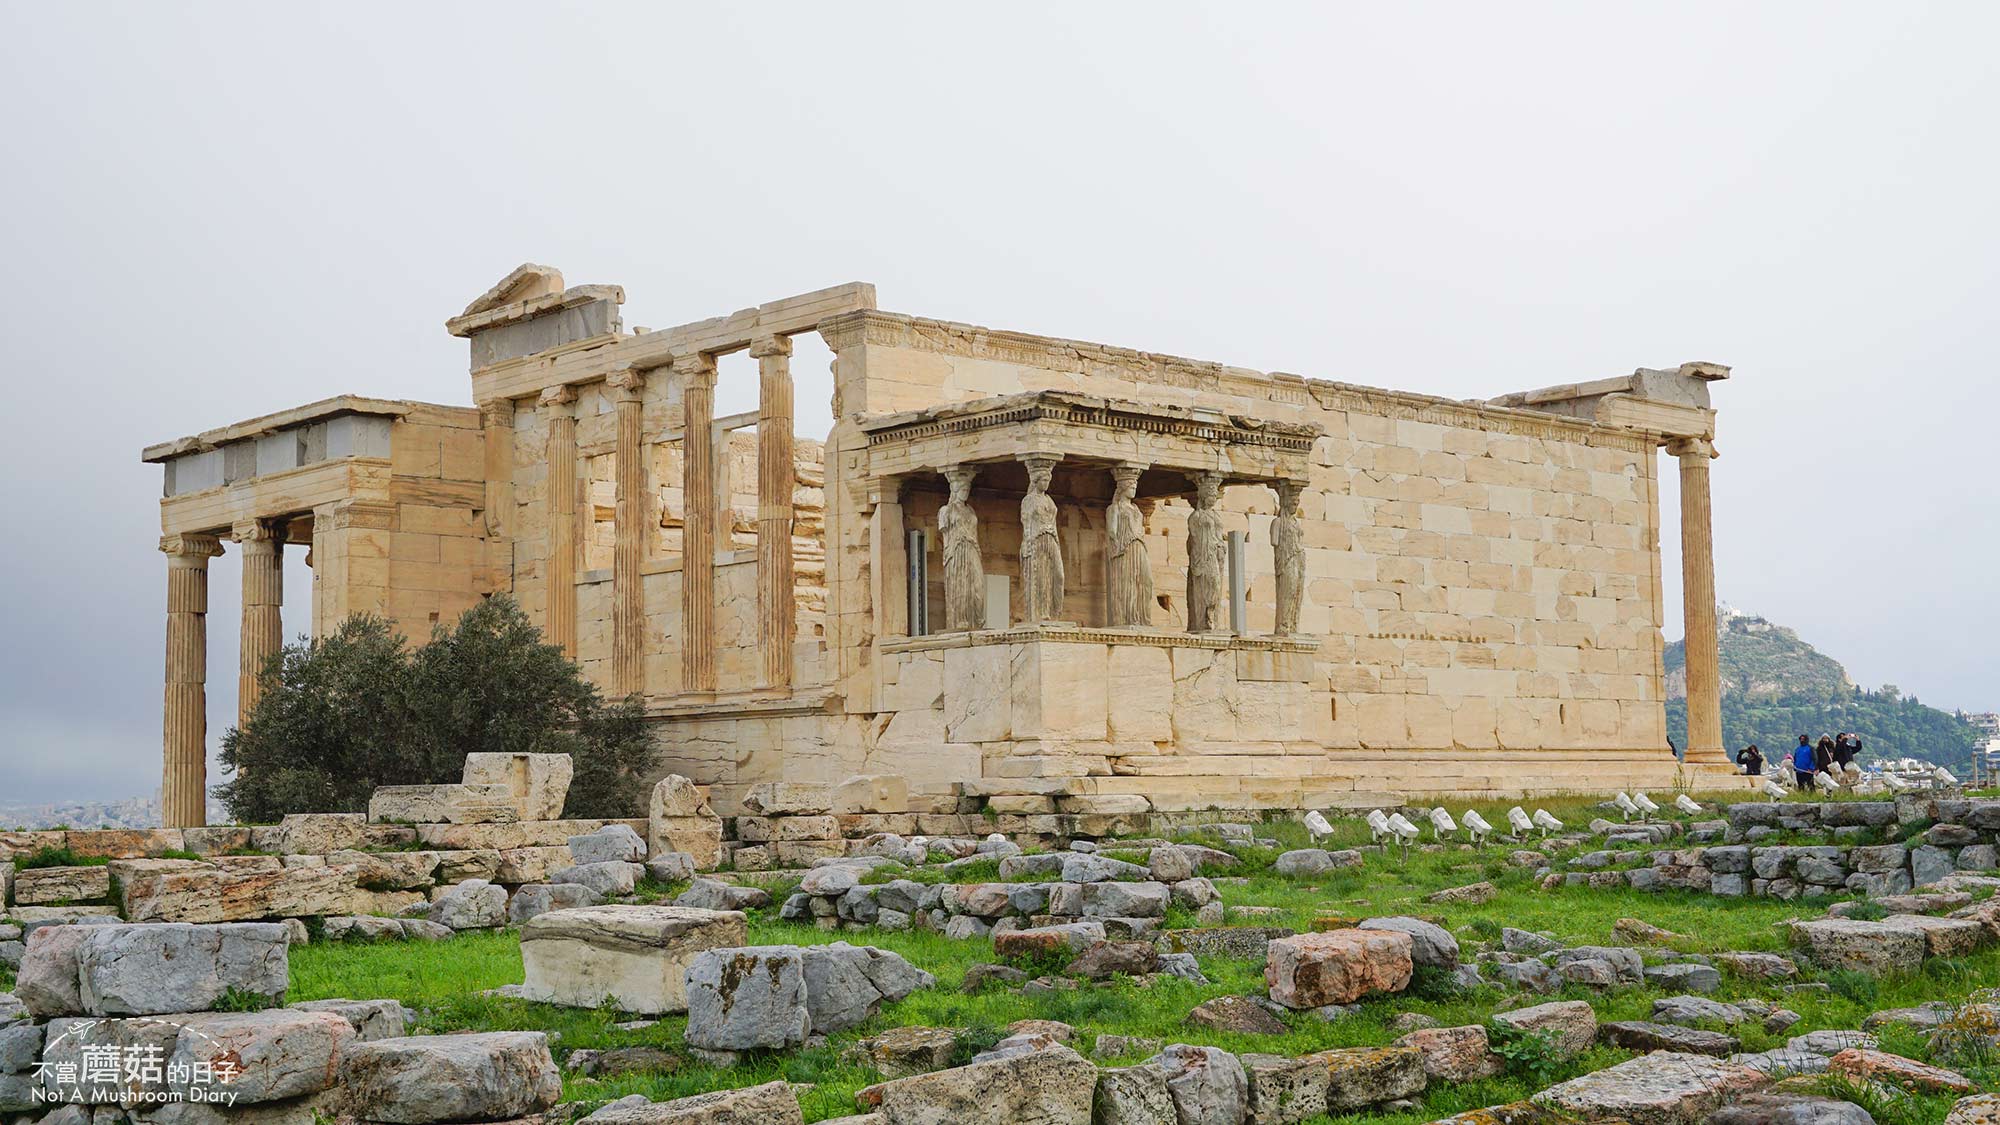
1804	762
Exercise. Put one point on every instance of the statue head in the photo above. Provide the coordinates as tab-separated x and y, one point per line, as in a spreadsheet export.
1125	482
1040	470
1207	489
960	478
1288	496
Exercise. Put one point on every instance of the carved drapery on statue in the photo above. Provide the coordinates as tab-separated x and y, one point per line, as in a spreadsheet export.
1041	546
1130	570
1288	553
964	575
1207	556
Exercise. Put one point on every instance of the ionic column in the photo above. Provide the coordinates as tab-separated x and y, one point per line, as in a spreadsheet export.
777	612
184	725
559	619
628	594
1704	694
262	552
697	374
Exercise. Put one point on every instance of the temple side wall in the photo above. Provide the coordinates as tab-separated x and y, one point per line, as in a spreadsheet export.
1482	588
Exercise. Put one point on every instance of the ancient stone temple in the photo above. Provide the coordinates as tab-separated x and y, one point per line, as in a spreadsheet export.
1017	564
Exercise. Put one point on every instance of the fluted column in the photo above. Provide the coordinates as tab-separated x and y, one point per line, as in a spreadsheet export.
777	613
628	594
559	618
697	375
496	425
262	551
184	726
1704	693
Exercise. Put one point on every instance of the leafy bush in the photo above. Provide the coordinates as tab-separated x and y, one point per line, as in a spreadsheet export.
57	857
1529	1053
1854	984
1867	912
343	714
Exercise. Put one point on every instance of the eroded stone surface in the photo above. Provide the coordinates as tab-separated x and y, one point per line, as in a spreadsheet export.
1337	967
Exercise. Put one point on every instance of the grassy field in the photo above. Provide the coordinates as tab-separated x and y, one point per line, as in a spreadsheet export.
442	981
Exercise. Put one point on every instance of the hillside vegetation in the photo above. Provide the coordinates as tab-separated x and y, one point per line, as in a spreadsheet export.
1776	687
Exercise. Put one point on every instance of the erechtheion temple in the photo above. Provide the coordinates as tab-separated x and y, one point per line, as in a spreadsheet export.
1017	565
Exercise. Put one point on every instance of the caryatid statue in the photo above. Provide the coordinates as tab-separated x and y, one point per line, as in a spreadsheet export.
1288	554
1208	552
964	575
1041	548
1129	577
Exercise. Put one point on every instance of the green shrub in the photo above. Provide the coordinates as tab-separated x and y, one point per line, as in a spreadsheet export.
1529	1054
57	857
1867	912
1854	984
343	714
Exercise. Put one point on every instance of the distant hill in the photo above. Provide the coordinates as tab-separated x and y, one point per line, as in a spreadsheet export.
1776	687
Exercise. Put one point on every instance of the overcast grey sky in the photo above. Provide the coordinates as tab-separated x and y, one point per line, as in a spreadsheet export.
214	211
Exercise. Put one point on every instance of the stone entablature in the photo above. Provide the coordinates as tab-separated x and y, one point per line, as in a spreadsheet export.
1464	596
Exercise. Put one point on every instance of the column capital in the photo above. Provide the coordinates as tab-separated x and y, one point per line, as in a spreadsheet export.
496	412
197	549
1289	492
1035	459
695	367
560	397
252	531
1127	470
627	384
1693	447
770	345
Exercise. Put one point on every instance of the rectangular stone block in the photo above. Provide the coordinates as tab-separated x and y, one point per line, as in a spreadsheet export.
538	784
442	804
45	886
633	956
214	895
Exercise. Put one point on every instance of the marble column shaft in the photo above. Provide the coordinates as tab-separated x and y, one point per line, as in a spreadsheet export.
1704	693
628	593
184	725
261	548
559	569
697	375
777	478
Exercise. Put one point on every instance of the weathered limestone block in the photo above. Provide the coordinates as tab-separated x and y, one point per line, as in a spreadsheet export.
1134	1095
747	998
1051	1086
1432	944
41	886
1572	1022
1110	900
1207	1084
1874	947
531	865
124	843
1643	1036
871	793
320	833
280	1053
212	894
442	804
537	784
1455	1054
537	899
492	1076
773	1103
1337	967
148	969
1943	937
680	820
474	904
606	879
636	956
388	871
788	798
902	1051
1284	1090
458	865
370	1019
614	843
1365	1076
1663	1088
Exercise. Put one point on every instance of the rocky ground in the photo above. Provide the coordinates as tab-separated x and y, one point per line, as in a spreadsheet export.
1237	974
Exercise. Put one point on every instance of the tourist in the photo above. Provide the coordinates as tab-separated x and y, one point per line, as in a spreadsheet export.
1823	754
1846	748
1751	759
1803	763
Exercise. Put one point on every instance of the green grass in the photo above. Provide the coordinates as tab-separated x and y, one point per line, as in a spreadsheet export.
57	857
440	981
